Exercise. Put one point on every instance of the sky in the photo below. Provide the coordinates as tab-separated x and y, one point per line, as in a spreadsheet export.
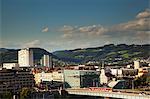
69	24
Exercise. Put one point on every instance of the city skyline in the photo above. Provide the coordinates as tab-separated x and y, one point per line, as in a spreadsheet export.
68	24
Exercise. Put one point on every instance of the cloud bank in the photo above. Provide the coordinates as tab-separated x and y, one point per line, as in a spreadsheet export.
34	43
139	28
135	31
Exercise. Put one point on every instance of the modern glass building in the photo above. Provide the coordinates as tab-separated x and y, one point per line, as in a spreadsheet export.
81	78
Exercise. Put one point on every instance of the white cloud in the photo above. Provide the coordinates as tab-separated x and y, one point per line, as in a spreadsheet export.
135	31
34	43
45	29
70	31
143	35
67	35
93	30
144	14
141	24
10	44
67	29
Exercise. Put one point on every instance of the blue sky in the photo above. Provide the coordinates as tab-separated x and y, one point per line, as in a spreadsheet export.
68	24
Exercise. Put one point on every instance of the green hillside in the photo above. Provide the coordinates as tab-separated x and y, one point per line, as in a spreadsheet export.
115	54
112	54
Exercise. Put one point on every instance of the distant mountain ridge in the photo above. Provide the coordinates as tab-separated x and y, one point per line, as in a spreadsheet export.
111	53
117	54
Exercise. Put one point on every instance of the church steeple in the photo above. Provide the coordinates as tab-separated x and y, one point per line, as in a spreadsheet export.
103	77
103	64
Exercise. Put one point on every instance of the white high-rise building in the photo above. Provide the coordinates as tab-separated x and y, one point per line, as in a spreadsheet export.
46	61
25	57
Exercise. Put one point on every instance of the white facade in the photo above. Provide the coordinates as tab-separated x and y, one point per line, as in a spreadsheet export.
10	65
46	61
128	66
25	57
103	77
136	64
55	76
58	76
114	72
120	72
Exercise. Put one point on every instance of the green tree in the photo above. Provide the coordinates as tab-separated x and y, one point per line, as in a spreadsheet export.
6	95
142	81
25	92
148	80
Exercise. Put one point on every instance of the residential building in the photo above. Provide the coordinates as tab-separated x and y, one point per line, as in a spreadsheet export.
49	76
39	77
25	57
144	70
46	61
58	76
10	65
13	80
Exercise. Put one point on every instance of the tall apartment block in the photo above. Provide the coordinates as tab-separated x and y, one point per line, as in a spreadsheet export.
46	61
25	57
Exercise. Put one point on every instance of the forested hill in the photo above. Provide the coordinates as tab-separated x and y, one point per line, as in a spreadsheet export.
111	53
115	54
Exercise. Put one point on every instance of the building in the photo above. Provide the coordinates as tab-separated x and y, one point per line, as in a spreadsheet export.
143	71
41	95
10	65
136	64
46	61
13	80
25	57
103	77
39	77
49	76
81	78
58	76
117	84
